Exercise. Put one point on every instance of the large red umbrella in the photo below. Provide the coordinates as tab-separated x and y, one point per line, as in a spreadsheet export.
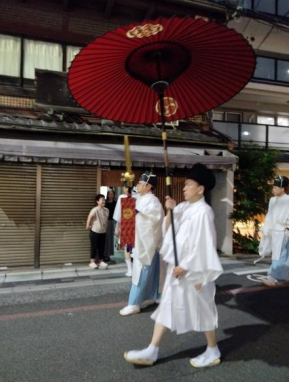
204	63
160	71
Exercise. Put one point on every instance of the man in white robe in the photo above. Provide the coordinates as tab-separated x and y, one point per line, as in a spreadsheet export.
188	299
148	237
275	234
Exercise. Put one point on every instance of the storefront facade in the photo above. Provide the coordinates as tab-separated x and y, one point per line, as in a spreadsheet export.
48	187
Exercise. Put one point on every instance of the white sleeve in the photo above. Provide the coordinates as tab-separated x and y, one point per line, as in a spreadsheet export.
177	213
148	225
117	210
202	262
268	220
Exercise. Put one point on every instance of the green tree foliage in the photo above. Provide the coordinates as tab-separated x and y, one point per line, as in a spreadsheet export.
257	167
245	243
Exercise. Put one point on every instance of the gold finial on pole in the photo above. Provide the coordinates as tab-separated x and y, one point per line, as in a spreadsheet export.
128	176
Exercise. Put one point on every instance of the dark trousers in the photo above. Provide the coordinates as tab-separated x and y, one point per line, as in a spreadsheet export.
97	245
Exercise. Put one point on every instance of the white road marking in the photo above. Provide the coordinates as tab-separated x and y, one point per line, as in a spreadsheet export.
257	278
247	272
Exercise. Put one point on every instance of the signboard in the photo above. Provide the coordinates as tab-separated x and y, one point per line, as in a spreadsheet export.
127	234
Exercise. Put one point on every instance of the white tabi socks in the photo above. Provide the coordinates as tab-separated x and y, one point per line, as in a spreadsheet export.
211	357
129	268
129	310
146	357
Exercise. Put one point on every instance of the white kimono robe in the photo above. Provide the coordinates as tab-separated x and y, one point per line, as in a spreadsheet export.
182	307
276	221
148	232
117	210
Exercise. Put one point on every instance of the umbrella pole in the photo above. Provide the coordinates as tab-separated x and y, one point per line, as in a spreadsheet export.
168	178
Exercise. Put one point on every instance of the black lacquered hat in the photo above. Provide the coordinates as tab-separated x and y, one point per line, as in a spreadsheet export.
149	178
202	175
281	181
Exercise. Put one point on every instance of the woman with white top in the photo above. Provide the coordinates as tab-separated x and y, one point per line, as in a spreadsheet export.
97	222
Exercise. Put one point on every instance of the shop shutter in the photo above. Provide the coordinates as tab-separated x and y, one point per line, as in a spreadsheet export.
178	183
17	214
68	194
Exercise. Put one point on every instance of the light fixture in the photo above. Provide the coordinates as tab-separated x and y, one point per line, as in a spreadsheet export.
246	133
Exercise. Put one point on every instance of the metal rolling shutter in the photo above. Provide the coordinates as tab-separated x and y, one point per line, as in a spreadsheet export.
17	214
178	183
67	197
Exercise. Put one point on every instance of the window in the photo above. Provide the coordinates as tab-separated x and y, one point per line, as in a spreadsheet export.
283	8
247	4
272	69
218	116
10	53
234	117
265	68
283	71
264	120
34	55
71	52
227	116
41	55
283	121
265	6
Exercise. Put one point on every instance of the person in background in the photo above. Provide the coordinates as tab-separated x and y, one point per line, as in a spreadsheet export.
276	234
148	237
110	204
188	298
127	193
97	221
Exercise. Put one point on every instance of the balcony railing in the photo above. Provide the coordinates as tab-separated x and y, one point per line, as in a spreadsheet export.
261	135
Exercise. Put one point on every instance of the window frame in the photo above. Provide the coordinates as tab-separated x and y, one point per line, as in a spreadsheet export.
276	11
21	81
281	116
227	113
221	113
275	80
267	116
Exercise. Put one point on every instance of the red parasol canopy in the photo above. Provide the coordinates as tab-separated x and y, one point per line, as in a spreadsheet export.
203	63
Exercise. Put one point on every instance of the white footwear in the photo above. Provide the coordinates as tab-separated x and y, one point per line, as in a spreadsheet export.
211	357
270	281
102	265
128	274
129	310
93	265
145	357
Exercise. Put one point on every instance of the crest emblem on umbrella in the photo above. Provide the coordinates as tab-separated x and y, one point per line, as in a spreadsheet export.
146	30
170	106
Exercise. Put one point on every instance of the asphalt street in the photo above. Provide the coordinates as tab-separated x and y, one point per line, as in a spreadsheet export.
76	334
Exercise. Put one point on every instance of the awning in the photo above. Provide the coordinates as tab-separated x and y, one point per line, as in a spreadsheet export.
106	155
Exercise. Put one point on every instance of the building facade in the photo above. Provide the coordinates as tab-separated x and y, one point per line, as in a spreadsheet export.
54	156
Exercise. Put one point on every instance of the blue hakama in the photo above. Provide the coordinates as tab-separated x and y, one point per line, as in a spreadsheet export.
148	284
279	269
